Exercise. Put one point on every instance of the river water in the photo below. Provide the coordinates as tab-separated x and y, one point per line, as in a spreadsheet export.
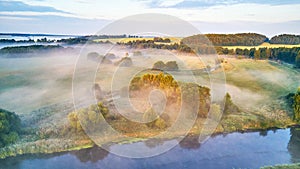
235	150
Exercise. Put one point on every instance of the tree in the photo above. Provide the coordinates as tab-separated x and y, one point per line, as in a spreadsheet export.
93	56
263	53
230	107
297	106
125	62
88	118
257	54
97	91
171	65
239	51
297	60
252	52
215	112
159	65
10	127
268	53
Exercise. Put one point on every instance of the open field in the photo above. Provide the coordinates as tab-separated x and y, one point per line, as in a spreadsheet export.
125	40
256	88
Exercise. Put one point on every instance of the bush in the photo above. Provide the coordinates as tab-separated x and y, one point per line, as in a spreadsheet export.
89	117
110	56
171	65
230	107
215	112
154	120
137	53
160	65
94	56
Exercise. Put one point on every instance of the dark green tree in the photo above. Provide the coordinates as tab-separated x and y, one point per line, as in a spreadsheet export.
10	127
297	60
297	106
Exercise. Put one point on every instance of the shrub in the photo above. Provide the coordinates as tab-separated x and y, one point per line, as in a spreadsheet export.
137	53
89	117
230	107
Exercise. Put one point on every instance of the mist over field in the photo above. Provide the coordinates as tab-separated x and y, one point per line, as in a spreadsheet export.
99	93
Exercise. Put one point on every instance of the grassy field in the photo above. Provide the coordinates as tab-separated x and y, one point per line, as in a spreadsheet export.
125	40
29	84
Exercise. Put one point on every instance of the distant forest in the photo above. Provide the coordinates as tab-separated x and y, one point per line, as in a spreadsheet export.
288	55
200	44
242	39
286	39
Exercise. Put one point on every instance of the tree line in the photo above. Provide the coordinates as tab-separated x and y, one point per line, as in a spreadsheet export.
144	44
242	39
286	39
288	55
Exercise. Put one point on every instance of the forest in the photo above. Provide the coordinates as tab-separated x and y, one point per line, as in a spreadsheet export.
242	39
288	55
33	50
286	39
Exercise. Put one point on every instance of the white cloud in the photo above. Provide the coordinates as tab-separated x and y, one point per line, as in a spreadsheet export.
39	14
168	3
15	18
115	9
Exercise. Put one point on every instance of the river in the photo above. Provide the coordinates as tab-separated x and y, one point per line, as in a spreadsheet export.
235	150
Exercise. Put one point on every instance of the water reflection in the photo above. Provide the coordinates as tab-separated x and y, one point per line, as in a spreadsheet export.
263	133
16	162
234	150
152	143
294	145
93	154
190	142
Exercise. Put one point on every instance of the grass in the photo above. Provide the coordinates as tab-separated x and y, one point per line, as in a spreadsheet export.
255	86
262	77
125	40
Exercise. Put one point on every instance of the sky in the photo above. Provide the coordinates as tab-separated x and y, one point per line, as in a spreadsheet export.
80	17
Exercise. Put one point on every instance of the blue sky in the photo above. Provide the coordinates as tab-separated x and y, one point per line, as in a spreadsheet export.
268	17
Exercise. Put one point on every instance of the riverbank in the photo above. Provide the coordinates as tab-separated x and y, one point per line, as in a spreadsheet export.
54	145
287	166
234	150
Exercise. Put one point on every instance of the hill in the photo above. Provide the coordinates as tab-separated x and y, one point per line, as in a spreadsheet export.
286	39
